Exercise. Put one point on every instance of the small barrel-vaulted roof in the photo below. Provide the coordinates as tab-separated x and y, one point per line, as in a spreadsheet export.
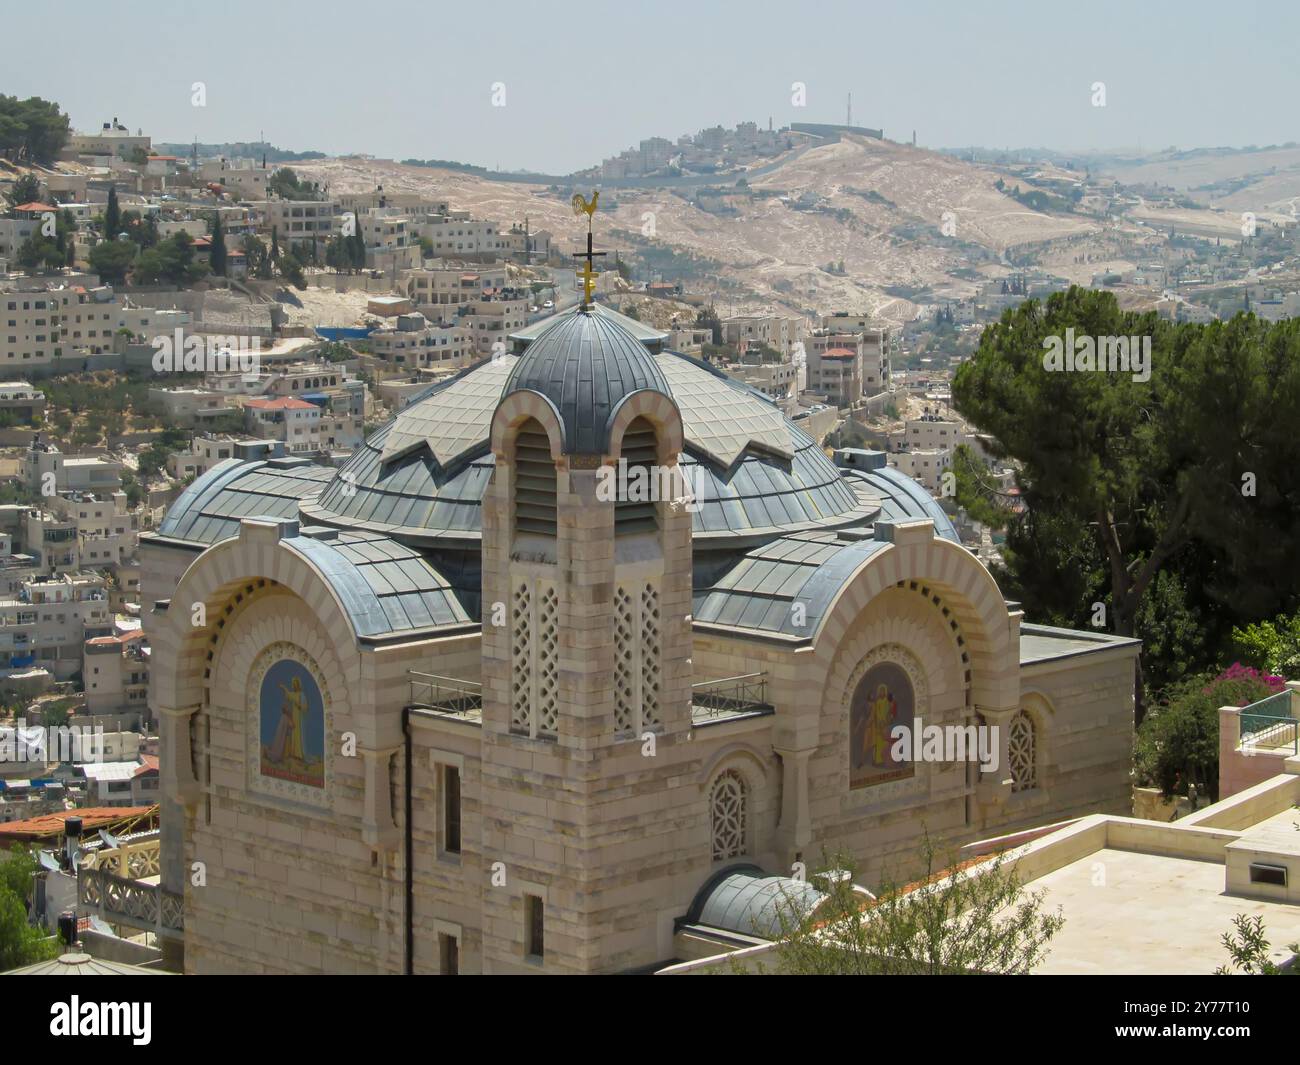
585	365
744	900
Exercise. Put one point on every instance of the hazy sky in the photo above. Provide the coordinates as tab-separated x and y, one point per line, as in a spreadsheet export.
585	80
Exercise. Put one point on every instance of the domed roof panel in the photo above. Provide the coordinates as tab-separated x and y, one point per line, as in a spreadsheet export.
723	421
461	418
586	364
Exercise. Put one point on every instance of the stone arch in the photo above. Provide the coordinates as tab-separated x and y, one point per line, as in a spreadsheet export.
917	640
971	594
658	409
1038	707
218	578
511	414
735	754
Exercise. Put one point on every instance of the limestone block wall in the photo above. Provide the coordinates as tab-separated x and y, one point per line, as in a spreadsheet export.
1082	708
879	825
289	888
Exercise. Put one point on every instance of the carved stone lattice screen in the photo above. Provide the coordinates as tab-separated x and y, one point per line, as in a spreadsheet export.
729	815
1021	753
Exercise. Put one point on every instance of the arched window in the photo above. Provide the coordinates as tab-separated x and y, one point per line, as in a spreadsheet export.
729	815
535	481
1022	753
634	509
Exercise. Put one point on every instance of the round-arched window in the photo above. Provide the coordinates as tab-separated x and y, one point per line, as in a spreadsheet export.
1021	753
729	815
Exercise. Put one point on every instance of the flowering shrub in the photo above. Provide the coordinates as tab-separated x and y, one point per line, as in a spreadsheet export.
1178	743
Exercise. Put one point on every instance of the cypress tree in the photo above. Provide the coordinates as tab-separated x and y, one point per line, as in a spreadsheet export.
112	216
218	255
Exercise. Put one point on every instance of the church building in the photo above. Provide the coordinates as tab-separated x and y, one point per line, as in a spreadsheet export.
457	707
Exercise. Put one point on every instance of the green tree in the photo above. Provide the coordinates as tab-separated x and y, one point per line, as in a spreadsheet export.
1177	744
27	189
286	184
1248	949
32	130
961	920
112	215
259	261
20	942
171	261
291	269
218	250
1273	646
708	319
111	259
1182	470
41	253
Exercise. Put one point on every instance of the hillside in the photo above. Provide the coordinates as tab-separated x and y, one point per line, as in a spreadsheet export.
875	206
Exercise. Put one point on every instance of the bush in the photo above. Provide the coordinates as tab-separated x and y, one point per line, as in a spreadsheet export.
1178	743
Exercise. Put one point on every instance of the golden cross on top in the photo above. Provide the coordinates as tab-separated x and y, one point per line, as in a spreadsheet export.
588	275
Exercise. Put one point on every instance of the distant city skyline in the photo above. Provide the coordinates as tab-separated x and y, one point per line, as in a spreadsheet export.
384	80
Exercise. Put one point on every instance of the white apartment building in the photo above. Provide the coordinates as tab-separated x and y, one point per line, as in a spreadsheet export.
417	342
70	474
113	140
115	674
21	402
491	321
14	233
931	432
192	406
208	451
246	182
776	380
293	421
295	221
773	330
875	347
51	539
108	532
925	465
49	621
434	286
41	324
454	238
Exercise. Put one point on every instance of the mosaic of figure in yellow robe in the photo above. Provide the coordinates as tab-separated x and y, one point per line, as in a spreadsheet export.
880	716
288	738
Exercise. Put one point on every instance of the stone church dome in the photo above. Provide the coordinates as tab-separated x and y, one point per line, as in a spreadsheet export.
586	365
422	476
773	513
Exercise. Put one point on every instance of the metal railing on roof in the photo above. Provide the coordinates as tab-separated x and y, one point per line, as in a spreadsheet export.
447	695
729	697
1265	713
1259	732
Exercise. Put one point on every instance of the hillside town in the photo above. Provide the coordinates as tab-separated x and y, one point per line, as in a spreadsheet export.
704	561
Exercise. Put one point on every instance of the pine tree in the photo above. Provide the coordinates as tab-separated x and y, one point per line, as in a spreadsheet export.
218	254
112	216
275	243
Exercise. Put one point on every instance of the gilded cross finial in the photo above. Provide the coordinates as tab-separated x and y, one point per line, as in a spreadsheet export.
589	276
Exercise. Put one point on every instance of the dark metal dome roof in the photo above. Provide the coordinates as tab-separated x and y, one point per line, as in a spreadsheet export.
586	364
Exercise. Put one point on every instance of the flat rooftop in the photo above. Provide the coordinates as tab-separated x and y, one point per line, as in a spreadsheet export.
1128	912
1041	643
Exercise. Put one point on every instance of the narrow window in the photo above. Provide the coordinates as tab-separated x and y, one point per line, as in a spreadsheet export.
448	955
534	927
451	809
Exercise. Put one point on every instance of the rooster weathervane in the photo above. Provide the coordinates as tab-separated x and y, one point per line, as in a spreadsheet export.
582	206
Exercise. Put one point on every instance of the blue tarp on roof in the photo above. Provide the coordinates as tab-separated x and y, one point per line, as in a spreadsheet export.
332	332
